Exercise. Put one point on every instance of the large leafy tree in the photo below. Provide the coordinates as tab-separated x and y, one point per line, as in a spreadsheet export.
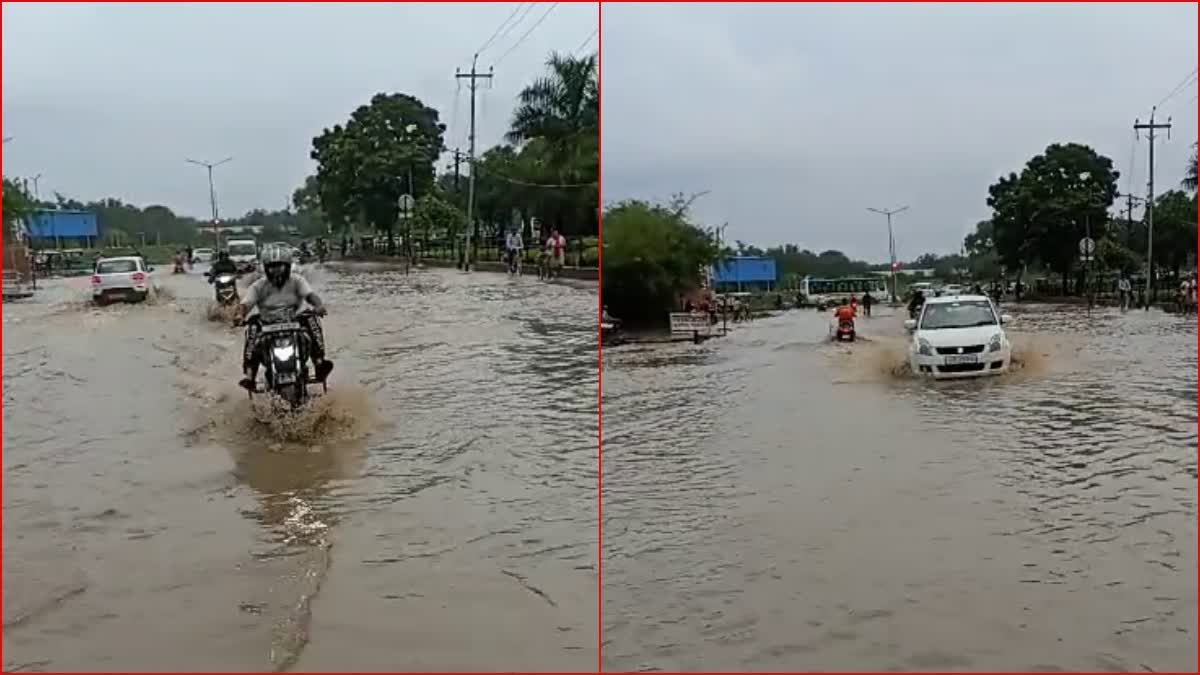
364	166
652	255
1174	230
1041	214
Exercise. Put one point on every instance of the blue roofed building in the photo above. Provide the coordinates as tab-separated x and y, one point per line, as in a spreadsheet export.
745	273
62	228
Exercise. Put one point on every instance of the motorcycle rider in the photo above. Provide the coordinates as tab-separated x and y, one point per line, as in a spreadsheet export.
914	305
845	314
278	291
223	265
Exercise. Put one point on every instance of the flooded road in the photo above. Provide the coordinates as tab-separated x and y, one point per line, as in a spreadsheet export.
776	502
435	510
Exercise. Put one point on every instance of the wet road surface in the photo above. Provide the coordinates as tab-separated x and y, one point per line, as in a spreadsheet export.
436	510
776	502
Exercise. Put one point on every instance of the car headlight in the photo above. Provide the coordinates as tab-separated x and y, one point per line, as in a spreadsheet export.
994	345
285	353
924	348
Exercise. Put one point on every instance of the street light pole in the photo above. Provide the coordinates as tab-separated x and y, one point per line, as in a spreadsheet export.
212	194
891	241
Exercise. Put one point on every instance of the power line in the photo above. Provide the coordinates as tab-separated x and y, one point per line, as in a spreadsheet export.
500	28
589	39
1133	139
1178	88
527	33
520	19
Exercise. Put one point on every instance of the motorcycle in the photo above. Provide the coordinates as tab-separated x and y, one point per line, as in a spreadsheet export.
845	331
514	263
611	334
225	286
284	348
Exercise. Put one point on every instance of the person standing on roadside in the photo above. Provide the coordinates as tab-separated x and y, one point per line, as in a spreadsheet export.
556	247
867	302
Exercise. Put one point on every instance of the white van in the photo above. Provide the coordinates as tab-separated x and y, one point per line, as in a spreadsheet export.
243	253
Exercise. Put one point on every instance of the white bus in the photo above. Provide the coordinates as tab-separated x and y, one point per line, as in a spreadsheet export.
822	292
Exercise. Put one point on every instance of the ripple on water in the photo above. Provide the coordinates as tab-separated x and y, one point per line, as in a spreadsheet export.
455	417
776	502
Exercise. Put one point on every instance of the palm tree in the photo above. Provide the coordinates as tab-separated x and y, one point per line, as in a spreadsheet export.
1189	179
560	106
556	125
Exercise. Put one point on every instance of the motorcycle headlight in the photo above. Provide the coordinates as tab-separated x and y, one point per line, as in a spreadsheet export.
224	279
994	345
924	348
284	353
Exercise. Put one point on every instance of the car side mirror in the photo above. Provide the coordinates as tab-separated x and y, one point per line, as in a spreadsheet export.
1005	318
910	324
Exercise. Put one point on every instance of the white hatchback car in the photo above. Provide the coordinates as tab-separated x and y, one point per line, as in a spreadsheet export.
126	279
959	336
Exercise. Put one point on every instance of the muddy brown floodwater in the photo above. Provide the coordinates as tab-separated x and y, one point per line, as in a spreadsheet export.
776	502
434	511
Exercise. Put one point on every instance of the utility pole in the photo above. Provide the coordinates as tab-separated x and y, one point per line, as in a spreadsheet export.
458	157
212	195
37	195
1151	127
472	83
891	242
1129	201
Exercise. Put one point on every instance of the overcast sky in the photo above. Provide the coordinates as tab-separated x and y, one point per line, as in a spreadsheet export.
108	100
799	117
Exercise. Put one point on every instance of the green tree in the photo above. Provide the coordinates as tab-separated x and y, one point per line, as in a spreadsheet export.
982	259
1174	230
365	166
306	200
17	204
437	219
652	255
1112	255
555	127
1041	214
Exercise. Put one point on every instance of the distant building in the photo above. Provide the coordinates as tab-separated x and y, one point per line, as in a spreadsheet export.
744	273
61	229
924	273
229	231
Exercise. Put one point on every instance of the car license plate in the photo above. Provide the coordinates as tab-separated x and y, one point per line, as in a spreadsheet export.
959	359
284	378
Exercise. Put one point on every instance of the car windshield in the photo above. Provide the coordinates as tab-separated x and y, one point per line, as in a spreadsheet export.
116	267
242	249
966	314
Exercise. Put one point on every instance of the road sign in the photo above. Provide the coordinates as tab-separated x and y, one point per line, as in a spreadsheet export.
1087	246
406	203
